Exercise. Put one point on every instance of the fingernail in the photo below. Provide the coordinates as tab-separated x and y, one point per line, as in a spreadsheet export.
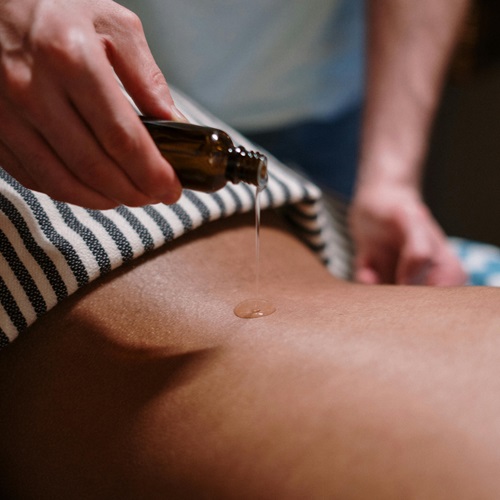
177	115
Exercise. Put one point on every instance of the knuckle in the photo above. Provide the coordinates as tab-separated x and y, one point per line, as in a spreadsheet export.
16	78
158	82
64	47
130	21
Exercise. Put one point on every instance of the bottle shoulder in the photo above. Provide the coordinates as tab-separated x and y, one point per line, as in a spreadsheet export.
173	132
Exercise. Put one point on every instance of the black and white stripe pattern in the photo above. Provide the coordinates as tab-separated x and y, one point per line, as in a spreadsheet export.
49	249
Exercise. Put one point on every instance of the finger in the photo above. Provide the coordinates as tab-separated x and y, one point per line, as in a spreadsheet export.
68	135
98	99
72	58
71	55
415	262
128	51
417	255
30	153
37	94
416	272
380	259
366	276
364	271
448	270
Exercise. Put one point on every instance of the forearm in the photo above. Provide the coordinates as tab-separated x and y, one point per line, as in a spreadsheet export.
408	48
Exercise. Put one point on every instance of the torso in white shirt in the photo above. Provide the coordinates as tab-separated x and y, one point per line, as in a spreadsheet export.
259	64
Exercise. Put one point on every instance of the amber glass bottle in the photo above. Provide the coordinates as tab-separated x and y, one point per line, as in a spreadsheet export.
205	158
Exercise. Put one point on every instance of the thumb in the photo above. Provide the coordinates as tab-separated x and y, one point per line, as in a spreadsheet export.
416	259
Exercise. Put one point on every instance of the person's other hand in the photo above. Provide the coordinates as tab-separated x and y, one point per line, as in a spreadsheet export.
66	128
398	241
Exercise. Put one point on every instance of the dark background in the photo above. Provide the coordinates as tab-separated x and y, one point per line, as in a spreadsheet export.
462	182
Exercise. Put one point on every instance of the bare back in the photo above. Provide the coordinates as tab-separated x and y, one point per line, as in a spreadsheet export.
146	385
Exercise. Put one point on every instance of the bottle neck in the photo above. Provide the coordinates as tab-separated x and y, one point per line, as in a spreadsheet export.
246	166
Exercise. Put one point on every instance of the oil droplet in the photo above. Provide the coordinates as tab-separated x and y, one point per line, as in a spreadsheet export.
254	308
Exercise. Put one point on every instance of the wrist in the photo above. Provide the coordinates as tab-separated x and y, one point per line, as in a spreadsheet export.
392	155
388	177
376	196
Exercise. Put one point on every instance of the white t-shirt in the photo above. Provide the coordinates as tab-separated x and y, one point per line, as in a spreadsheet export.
259	64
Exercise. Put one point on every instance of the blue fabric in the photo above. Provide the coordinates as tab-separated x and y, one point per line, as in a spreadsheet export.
326	151
481	261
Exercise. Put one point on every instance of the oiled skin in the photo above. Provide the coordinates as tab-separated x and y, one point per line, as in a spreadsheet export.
146	385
